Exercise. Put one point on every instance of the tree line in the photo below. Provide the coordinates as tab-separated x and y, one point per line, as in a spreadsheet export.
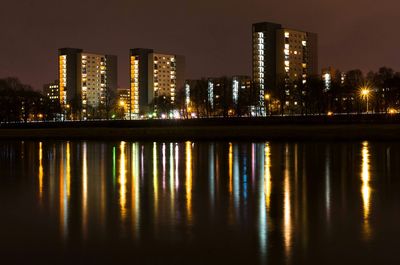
307	96
19	102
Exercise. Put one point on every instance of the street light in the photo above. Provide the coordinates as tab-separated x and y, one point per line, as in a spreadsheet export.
267	98
365	91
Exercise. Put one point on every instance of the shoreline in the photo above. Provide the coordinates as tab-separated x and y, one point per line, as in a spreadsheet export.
381	132
382	127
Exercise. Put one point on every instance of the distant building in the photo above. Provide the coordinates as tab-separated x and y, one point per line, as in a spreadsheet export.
221	92
52	91
190	86
281	56
240	83
328	74
154	75
331	75
124	101
86	80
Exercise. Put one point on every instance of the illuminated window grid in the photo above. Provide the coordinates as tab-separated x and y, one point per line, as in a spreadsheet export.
63	79
135	85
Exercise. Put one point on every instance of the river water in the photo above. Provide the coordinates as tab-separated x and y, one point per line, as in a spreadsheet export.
93	202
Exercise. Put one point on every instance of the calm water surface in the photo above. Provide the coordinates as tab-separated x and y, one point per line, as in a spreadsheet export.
199	203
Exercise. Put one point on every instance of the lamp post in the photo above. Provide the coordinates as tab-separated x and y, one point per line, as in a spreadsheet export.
365	94
267	99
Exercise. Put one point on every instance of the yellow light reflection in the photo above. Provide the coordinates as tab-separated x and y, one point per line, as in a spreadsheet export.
155	180
84	189
68	170
189	180
135	188
122	181
287	222
267	176
366	189
230	169
62	199
230	161
265	193
40	171
65	188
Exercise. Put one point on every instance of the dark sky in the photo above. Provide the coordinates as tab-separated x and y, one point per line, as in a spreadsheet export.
214	35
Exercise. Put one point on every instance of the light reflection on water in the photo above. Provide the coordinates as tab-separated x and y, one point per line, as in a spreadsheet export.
366	189
275	200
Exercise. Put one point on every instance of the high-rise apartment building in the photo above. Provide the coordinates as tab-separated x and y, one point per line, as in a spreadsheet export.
154	75
86	80
281	56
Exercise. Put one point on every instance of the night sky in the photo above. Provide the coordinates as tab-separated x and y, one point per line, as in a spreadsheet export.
214	35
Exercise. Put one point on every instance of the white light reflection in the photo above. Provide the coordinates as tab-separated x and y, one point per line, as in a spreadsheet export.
236	187
176	167
172	178
328	186
211	174
164	163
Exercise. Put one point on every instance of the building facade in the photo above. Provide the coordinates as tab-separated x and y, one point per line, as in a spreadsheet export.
281	57
154	76
86	81
52	91
124	101
240	84
331	76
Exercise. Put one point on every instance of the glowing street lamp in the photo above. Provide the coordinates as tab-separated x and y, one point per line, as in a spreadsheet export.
365	91
267	98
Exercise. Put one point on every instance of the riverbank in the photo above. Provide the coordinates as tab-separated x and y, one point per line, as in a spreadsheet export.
362	127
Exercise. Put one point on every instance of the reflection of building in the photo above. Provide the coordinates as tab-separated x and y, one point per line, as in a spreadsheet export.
154	75
86	79
282	56
124	101
52	92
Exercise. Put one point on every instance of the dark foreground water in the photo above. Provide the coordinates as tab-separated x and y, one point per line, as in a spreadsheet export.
199	203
